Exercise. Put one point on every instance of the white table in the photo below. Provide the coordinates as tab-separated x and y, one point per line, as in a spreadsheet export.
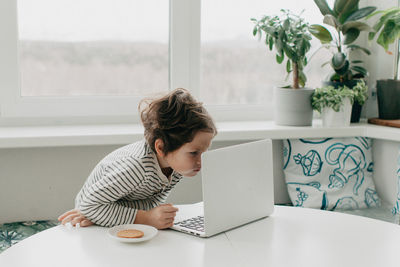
290	237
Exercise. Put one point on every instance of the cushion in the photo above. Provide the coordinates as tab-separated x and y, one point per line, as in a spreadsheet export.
396	208
330	173
382	212
12	233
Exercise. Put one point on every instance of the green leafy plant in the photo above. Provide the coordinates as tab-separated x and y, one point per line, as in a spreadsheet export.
360	92
344	17
388	29
328	96
290	36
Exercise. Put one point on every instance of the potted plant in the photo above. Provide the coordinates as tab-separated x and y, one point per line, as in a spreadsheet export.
335	104
387	27
289	35
345	18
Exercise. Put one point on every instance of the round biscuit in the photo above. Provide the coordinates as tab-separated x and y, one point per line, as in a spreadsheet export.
130	233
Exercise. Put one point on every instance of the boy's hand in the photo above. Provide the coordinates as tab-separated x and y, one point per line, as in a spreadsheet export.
160	217
74	217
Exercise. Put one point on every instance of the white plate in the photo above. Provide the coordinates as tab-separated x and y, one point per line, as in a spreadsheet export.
149	232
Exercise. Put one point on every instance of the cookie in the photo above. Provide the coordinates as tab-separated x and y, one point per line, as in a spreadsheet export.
130	233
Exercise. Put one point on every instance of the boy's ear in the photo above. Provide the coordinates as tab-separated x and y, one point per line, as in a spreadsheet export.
159	146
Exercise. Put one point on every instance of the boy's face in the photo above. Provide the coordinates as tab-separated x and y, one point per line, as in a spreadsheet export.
186	160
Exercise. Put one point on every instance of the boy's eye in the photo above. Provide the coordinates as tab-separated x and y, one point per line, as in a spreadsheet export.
194	153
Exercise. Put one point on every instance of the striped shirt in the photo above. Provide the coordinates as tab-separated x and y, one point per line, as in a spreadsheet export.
127	180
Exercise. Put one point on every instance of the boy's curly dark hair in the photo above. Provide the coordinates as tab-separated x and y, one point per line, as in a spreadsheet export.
174	118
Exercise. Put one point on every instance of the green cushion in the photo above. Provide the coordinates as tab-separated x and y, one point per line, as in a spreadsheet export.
12	233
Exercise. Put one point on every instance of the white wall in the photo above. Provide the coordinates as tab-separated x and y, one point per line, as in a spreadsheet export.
40	183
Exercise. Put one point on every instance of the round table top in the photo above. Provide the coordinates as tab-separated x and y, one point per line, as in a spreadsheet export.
289	237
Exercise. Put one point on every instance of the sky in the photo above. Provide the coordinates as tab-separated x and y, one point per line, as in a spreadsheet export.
88	20
235	22
138	20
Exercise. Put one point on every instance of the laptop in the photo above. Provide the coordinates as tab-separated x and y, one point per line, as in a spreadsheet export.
237	183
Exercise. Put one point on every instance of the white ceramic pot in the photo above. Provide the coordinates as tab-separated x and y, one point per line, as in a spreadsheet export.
292	107
331	118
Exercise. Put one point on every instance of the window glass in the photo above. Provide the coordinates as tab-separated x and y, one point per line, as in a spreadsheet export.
236	68
93	47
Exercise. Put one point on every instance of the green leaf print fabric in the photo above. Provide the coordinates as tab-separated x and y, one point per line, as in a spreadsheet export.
12	233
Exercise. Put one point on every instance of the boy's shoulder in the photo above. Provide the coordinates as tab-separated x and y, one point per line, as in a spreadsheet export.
136	159
137	152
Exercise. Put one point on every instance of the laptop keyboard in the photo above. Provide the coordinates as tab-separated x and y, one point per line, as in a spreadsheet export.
196	223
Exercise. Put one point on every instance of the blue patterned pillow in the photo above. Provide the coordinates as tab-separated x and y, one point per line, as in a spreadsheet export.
330	173
396	208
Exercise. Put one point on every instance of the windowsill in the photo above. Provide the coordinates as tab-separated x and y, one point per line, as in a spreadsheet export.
119	134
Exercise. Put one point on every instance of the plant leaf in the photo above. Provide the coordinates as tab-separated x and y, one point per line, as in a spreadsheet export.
279	46
290	53
331	20
302	78
288	66
255	31
361	26
360	69
341	70
387	14
351	36
286	24
321	33
361	13
271	43
389	34
338	60
354	47
371	35
344	8
376	12
279	58
323	7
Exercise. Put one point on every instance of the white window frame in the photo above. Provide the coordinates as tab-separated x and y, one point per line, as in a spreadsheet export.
184	71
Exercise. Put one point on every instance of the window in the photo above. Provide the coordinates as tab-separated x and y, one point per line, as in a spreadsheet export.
87	60
237	68
93	47
93	60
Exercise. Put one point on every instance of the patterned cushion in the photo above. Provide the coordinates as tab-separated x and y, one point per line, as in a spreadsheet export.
330	173
12	233
383	213
396	208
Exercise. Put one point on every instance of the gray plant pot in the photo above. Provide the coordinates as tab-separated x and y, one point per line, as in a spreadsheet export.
388	92
293	106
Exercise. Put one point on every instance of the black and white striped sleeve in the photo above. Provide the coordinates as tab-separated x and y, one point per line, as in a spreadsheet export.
103	202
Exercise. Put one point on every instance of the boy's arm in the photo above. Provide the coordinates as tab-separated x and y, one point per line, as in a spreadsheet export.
100	205
101	202
160	217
